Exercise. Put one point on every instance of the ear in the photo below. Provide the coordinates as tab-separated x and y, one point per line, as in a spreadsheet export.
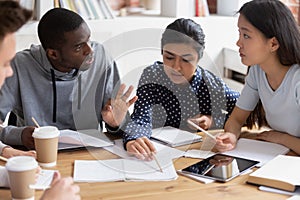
52	54
274	44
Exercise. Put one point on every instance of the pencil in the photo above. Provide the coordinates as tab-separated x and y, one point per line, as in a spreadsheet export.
201	129
3	159
35	122
160	169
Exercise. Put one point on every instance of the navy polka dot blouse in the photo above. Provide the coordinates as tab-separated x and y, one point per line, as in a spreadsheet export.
164	103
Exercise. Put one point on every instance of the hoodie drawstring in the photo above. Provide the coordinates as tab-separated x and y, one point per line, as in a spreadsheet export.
54	95
79	92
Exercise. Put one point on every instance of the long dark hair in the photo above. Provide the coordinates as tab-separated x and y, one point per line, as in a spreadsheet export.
273	19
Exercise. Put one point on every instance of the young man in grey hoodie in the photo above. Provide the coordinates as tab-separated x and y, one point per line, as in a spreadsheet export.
67	81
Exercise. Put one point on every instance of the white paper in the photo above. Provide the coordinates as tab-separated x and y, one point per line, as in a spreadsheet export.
198	178
149	170
175	137
295	197
98	170
195	153
44	180
122	170
82	138
274	190
162	150
257	150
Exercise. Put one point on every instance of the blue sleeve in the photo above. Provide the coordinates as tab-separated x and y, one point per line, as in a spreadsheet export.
231	98
140	124
223	98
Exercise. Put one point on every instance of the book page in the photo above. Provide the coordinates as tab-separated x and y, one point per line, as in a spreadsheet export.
175	137
279	191
261	151
283	168
98	170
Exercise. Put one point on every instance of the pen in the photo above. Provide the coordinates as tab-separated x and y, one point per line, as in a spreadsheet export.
35	122
157	162
201	129
3	159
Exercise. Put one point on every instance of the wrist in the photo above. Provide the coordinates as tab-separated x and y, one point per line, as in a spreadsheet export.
4	151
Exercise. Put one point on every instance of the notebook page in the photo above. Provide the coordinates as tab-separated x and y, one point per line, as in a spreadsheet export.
261	151
70	138
149	171
98	170
119	150
174	137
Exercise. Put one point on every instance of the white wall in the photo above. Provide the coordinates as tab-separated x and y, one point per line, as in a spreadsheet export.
135	41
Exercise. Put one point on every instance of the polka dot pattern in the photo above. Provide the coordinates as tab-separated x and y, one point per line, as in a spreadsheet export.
163	103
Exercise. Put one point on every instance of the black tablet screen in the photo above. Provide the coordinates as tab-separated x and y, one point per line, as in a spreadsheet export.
220	167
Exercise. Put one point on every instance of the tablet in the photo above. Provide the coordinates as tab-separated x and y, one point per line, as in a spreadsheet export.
219	167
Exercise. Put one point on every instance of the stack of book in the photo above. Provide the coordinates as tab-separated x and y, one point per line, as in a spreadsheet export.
88	9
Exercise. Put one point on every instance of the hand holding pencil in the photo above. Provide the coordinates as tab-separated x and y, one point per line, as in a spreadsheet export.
201	129
204	121
143	149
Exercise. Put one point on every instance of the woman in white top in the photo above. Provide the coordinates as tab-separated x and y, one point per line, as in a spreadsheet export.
269	43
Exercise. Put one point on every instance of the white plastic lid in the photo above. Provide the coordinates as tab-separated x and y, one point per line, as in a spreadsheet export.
21	163
45	132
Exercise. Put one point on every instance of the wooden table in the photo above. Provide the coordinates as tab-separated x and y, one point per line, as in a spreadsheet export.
182	188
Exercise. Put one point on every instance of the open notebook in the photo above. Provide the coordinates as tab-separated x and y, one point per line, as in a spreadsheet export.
69	139
163	151
122	170
174	137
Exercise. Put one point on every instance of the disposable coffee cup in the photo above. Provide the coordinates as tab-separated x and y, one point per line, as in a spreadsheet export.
46	142
21	172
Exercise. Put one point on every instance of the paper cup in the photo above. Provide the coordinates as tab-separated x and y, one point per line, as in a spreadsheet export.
46	142
21	173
